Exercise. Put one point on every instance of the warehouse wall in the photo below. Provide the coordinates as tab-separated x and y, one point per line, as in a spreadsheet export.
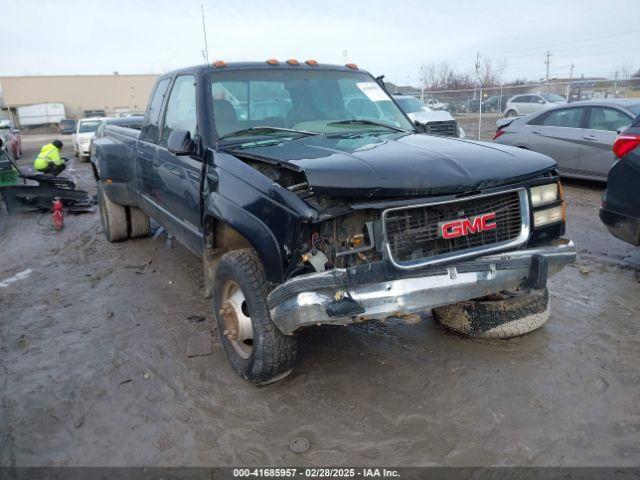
111	93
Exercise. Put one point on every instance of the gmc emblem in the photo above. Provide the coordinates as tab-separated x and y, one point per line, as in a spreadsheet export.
465	226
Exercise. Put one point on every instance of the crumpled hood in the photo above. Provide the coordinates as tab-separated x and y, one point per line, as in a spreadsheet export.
426	116
403	164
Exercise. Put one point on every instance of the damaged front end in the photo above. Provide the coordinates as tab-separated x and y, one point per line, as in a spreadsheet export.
373	261
370	256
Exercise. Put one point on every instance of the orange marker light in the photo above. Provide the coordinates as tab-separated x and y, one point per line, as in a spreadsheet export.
311	63
219	64
352	66
293	61
564	205
272	61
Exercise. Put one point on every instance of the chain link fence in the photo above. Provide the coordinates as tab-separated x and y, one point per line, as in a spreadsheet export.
477	109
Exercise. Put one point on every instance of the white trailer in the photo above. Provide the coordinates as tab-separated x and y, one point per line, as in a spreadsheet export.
41	114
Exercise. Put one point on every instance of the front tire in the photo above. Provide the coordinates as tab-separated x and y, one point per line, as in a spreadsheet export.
511	113
255	348
113	217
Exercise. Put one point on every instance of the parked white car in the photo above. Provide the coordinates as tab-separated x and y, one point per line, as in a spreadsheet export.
531	103
435	104
85	130
438	122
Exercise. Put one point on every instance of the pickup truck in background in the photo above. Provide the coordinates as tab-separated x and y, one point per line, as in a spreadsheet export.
307	213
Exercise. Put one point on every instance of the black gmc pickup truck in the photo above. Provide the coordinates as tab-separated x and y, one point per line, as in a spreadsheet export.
312	199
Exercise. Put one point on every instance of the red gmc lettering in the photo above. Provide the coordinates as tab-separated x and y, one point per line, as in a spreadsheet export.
466	226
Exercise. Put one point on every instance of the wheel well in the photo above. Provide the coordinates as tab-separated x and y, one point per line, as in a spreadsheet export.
220	237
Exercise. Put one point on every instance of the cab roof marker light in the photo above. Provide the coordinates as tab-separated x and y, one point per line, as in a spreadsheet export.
293	61
352	66
311	63
219	64
273	61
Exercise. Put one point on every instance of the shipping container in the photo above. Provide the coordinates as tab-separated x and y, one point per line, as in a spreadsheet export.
41	114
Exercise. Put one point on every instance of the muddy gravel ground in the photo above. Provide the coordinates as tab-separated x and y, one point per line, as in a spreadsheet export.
94	367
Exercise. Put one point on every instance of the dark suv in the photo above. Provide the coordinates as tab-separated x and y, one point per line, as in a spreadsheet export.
620	210
67	126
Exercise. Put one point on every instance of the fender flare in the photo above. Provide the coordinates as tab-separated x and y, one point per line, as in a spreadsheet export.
253	230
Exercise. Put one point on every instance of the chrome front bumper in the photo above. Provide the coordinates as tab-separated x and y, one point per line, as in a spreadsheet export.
304	300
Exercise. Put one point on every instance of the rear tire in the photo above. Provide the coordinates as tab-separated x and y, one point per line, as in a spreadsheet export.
504	315
113	217
259	353
138	223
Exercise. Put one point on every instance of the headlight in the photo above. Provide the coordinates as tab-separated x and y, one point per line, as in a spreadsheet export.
547	216
544	194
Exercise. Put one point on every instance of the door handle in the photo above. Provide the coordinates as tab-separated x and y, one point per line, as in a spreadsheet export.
537	132
590	137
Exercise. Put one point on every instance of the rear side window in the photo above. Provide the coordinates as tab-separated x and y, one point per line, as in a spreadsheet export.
566	117
607	119
181	108
150	128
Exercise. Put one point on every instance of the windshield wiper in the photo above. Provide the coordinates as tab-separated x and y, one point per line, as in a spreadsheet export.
265	129
364	121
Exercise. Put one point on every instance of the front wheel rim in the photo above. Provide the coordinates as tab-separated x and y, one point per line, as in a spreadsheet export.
237	322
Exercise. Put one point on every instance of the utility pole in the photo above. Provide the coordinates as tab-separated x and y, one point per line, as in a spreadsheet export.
480	99
422	83
204	31
547	63
344	54
615	84
569	84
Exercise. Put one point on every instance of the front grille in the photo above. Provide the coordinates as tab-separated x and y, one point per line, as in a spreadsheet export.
412	233
448	128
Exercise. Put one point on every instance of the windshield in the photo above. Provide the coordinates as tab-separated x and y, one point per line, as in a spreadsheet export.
304	100
86	127
552	97
410	104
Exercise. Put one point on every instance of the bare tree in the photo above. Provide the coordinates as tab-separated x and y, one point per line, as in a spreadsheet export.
491	72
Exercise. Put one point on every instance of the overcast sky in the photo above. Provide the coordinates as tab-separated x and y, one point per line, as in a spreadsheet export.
384	37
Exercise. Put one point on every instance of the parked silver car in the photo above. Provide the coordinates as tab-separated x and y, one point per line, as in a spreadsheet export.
579	136
531	102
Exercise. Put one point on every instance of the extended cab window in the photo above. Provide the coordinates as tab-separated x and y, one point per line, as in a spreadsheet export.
567	117
150	129
181	111
306	100
607	119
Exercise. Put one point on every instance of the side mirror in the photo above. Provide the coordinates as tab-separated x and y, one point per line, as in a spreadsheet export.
180	142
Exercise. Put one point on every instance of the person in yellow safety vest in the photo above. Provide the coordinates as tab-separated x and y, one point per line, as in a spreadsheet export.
49	159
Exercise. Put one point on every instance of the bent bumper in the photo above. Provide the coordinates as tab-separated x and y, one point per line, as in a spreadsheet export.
377	291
